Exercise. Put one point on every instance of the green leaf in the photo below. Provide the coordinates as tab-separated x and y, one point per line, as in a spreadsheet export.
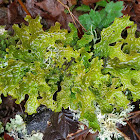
103	18
83	8
113	10
102	3
86	21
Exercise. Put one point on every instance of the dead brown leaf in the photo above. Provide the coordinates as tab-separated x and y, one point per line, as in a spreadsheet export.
132	8
53	7
3	16
132	129
88	2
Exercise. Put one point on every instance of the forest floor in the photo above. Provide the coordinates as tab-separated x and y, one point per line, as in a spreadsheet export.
11	12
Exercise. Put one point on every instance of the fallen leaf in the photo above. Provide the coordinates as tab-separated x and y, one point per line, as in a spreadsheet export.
7	137
62	124
88	2
53	7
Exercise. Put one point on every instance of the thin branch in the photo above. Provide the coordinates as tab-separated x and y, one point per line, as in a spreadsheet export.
72	16
24	7
133	114
77	134
132	128
78	21
123	134
73	19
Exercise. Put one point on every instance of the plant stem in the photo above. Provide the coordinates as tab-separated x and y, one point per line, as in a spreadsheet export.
24	7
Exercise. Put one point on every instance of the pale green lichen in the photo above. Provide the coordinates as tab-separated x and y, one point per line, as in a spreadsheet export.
17	126
108	122
43	61
2	30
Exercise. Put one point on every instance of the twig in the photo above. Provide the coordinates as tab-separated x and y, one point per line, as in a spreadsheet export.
24	7
78	21
72	16
134	114
73	19
132	117
123	134
132	128
78	134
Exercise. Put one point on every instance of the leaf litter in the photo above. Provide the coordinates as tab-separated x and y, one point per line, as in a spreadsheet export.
53	11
